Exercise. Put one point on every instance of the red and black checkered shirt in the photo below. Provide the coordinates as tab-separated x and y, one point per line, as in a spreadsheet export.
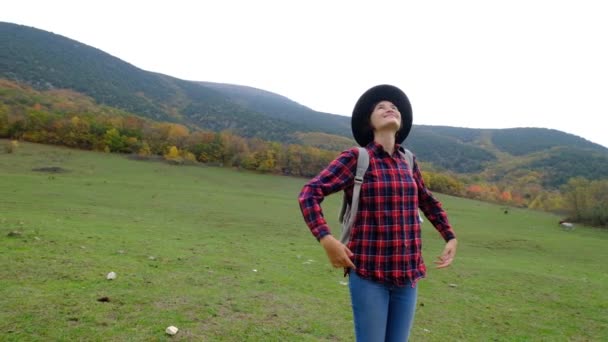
385	238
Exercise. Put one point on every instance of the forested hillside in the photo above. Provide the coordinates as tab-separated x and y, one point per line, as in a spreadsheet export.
48	61
520	142
57	90
282	108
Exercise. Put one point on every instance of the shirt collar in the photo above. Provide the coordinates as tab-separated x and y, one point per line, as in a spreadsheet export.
378	149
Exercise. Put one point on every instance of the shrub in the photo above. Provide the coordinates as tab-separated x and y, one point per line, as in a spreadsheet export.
11	146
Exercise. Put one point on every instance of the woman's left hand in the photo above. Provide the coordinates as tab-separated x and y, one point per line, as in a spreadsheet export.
449	252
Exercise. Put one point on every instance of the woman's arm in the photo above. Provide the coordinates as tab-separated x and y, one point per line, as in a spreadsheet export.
335	177
431	207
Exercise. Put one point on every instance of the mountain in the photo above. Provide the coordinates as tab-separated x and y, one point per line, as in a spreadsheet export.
498	154
280	107
46	60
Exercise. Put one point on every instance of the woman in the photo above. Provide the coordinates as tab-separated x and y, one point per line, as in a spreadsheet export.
383	257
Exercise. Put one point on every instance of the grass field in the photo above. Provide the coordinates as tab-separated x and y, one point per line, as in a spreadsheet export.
224	255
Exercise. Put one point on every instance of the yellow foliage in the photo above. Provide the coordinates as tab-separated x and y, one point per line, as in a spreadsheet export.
427	178
173	151
173	154
178	131
144	150
189	156
131	141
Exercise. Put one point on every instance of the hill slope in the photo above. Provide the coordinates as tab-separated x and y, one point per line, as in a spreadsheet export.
46	61
195	247
282	108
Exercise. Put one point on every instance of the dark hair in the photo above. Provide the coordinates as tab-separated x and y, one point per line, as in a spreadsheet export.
368	129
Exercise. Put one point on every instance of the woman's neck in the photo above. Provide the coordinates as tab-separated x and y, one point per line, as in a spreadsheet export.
386	140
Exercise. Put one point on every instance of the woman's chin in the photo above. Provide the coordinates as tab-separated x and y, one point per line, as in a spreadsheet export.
391	125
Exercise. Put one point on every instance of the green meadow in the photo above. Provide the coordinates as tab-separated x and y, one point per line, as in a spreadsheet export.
224	255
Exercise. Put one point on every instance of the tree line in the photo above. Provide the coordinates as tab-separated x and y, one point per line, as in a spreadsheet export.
67	118
62	117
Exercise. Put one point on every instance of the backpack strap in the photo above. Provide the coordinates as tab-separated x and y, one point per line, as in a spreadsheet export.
408	156
362	165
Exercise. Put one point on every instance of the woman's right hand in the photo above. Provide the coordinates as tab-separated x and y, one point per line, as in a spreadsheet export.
338	254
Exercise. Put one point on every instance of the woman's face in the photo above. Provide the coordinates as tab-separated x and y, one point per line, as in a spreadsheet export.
385	116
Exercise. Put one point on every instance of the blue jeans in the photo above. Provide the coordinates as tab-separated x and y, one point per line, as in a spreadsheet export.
382	312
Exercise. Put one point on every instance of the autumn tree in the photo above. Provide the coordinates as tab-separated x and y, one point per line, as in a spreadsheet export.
445	184
173	154
187	156
293	160
548	201
113	140
177	134
587	200
155	134
505	196
144	150
235	149
3	121
212	152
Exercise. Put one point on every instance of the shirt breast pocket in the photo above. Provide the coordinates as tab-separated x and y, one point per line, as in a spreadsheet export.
382	185
374	187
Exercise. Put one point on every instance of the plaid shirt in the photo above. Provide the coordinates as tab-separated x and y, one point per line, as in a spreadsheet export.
385	239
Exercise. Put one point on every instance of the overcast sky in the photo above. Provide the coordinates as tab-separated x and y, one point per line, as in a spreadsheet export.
480	64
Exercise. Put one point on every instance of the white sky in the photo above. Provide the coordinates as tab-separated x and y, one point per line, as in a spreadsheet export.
480	64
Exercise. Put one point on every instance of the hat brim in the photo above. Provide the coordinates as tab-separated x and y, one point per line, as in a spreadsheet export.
363	109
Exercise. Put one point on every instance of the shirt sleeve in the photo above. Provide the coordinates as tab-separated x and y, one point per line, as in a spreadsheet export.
431	207
337	176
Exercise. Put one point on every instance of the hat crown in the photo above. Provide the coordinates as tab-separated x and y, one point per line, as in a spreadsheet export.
363	109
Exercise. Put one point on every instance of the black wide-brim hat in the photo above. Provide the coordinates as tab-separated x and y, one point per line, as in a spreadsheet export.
360	122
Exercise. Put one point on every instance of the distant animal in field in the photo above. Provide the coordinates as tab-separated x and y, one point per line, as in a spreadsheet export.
566	225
